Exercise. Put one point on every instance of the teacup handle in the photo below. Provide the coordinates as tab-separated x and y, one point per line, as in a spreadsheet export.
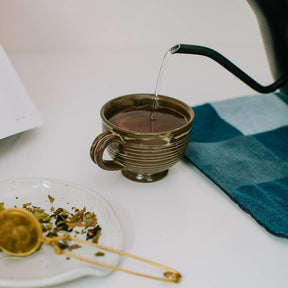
98	147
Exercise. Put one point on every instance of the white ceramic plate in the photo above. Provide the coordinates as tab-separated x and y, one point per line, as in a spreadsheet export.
44	267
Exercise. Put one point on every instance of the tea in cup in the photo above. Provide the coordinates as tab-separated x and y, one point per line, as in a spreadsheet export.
144	136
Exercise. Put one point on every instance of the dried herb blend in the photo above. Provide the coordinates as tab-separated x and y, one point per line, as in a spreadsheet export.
78	221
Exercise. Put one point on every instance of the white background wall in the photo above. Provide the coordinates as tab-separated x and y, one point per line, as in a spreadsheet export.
85	25
94	26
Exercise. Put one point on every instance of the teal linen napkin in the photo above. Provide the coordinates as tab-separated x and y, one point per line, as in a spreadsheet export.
242	145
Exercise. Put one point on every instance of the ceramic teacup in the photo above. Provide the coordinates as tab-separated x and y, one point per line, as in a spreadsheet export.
144	136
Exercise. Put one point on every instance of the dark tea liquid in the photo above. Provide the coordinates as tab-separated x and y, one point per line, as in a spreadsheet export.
139	119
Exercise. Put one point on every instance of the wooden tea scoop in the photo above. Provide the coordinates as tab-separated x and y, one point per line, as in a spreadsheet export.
21	235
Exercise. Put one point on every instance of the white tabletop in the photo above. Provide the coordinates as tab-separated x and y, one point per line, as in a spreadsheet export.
183	221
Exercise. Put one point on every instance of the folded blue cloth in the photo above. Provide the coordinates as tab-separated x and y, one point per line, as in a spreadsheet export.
242	145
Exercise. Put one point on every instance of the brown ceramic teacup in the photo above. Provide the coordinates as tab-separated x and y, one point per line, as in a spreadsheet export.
144	137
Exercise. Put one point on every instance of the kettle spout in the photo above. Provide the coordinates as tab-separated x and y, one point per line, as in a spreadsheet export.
175	48
223	61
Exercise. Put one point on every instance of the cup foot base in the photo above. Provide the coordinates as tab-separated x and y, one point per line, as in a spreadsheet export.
144	178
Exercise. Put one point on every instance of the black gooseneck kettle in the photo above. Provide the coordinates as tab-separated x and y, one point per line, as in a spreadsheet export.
272	17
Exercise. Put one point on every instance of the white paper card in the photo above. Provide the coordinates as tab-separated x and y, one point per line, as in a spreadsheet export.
17	111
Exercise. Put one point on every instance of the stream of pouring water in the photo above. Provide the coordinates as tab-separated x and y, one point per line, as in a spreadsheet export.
162	68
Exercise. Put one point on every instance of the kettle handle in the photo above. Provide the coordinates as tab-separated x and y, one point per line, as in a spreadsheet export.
220	59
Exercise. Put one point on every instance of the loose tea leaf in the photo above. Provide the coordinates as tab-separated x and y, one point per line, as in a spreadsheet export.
51	199
94	234
26	205
59	219
2	206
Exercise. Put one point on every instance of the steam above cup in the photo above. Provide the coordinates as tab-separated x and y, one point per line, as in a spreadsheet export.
143	135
